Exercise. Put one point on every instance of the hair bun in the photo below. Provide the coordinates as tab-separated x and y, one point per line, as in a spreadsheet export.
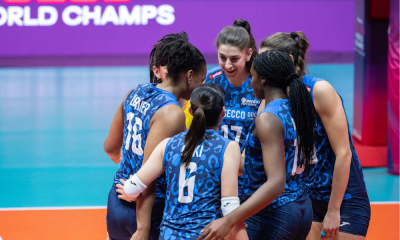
242	23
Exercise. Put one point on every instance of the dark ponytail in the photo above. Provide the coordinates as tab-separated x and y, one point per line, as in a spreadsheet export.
294	43
235	36
176	53
207	102
278	69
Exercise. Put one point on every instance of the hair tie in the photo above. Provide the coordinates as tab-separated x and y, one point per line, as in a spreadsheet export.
294	35
290	78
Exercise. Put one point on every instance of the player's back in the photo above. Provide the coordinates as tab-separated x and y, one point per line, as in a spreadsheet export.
193	193
138	109
254	171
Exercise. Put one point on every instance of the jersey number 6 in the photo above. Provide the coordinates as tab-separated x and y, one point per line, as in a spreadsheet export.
186	182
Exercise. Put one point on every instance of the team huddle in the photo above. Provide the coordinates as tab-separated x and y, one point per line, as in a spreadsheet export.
253	149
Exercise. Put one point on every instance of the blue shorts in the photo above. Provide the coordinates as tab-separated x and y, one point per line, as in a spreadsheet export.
290	221
121	217
355	214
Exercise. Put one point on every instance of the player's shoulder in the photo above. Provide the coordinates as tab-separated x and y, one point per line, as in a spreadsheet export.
310	81
213	73
170	114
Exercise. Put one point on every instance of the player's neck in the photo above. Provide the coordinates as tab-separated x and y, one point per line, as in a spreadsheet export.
272	94
213	128
167	86
239	79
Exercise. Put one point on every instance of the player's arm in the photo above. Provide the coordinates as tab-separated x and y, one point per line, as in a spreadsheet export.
113	143
153	168
229	189
270	132
329	107
166	123
242	159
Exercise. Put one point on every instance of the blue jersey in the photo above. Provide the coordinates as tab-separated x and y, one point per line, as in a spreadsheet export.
320	178
254	173
241	106
193	194
138	109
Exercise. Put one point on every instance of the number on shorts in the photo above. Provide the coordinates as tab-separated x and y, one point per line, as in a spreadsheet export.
136	137
186	182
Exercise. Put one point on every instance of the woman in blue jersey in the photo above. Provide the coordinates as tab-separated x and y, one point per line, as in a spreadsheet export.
236	51
200	166
336	185
276	203
148	114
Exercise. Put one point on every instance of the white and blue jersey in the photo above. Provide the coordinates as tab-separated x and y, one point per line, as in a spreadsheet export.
254	172
241	106
320	178
193	193
138	109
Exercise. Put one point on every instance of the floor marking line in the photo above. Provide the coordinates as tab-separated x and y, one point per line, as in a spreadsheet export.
53	208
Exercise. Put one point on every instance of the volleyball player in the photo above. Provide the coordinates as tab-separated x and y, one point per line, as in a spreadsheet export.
149	114
199	165
276	204
236	51
336	185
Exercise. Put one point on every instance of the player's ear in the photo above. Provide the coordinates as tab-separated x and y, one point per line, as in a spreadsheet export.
156	72
291	56
189	76
223	112
248	55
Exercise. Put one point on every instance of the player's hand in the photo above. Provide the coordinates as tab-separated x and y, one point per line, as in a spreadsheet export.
140	235
331	223
216	230
120	190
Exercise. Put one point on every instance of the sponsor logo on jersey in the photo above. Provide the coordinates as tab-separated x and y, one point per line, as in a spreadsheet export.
215	74
237	114
249	102
309	89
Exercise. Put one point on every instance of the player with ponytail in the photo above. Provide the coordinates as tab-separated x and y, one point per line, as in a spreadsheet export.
279	148
200	166
336	183
236	51
149	114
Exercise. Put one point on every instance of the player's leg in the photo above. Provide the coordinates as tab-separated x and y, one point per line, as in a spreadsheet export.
156	218
315	232
305	224
355	214
283	222
121	217
319	208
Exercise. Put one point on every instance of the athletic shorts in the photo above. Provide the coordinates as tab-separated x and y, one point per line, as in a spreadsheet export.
290	221
121	217
355	214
